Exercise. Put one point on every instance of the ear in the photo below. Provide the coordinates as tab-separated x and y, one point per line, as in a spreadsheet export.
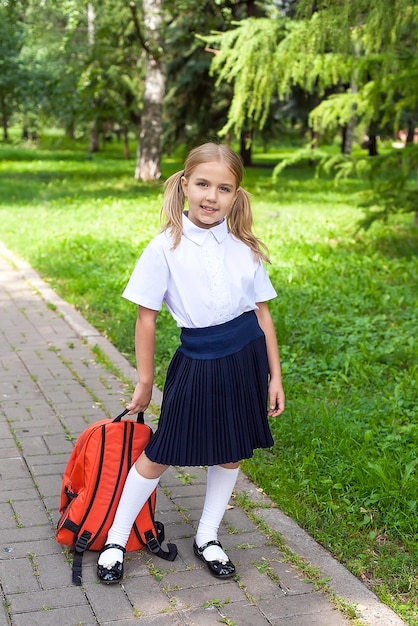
184	185
238	191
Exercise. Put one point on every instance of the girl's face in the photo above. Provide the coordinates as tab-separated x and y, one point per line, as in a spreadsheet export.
211	191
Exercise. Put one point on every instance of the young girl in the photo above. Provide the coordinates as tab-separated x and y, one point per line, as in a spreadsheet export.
206	266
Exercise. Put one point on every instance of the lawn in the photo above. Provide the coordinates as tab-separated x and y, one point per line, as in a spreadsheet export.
344	463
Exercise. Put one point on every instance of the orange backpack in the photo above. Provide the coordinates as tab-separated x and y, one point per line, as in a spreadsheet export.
92	485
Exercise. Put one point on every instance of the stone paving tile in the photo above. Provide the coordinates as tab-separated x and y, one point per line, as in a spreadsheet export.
47	600
34	546
17	576
164	619
11	537
312	605
73	616
30	513
223	593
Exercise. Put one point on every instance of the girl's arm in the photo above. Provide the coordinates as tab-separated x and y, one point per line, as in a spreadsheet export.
144	350
276	393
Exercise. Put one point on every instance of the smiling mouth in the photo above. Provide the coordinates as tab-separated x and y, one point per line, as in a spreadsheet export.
208	208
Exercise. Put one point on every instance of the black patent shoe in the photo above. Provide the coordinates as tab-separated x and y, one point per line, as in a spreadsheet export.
110	575
220	569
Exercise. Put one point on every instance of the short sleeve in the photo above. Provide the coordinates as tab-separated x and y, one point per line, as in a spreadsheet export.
263	288
147	285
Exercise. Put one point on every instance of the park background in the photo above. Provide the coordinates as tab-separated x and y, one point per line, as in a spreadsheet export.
100	102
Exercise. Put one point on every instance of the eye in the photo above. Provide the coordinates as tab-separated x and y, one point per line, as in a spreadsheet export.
227	189
202	184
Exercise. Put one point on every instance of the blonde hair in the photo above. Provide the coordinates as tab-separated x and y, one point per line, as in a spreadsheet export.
240	217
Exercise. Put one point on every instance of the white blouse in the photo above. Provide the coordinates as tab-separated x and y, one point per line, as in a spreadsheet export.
210	278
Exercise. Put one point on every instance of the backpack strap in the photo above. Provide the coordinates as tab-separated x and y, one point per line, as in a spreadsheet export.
154	546
80	548
139	418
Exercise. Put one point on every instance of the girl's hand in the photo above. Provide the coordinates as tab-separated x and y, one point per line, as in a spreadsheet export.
277	401
140	399
276	393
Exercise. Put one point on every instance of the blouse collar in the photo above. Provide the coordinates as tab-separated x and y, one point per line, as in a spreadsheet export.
199	235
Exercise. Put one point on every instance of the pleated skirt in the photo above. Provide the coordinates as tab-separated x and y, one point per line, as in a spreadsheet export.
214	407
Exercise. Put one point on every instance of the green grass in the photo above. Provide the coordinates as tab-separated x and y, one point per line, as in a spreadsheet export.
344	464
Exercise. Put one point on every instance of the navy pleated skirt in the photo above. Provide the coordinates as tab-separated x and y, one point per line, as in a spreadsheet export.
214	407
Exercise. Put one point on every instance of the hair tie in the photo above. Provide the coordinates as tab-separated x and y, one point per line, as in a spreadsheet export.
180	186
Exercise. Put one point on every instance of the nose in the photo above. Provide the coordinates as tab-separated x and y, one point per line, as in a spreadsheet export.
211	194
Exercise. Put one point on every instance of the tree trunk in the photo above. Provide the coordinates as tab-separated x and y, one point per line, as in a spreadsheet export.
246	140
148	164
348	136
149	152
126	152
91	17
246	144
94	130
5	124
347	146
373	145
94	137
410	136
70	131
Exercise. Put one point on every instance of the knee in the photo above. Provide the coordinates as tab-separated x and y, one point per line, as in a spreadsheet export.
148	468
231	465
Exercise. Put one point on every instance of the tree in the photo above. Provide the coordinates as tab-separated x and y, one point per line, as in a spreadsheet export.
12	73
194	109
169	41
148	165
338	43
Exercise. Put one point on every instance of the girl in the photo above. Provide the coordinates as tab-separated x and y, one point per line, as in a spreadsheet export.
224	380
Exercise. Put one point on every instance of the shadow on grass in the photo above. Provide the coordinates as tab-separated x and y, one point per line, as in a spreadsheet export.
75	152
399	244
53	186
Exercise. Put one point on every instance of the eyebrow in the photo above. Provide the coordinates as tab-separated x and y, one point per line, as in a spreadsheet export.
205	180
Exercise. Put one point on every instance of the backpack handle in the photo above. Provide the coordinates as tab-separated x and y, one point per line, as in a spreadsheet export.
139	419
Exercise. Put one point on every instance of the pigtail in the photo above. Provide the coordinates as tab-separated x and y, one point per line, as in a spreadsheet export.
240	222
173	206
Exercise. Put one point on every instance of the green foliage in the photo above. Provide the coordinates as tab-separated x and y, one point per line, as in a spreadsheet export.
383	24
344	463
195	106
328	49
392	188
361	63
74	76
84	70
247	57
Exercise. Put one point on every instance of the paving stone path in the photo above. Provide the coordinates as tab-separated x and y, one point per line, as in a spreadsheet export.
51	388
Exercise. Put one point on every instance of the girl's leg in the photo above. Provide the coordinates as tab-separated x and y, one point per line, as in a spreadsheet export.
221	481
141	481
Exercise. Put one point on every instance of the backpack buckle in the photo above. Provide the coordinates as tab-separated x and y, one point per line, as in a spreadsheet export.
82	541
152	543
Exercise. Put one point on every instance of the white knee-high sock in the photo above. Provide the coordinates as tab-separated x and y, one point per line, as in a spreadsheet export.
220	484
136	492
